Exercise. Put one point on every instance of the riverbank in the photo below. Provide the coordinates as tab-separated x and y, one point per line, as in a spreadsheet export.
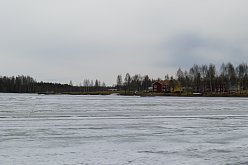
152	94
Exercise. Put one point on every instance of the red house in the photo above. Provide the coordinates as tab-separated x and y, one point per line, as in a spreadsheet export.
161	86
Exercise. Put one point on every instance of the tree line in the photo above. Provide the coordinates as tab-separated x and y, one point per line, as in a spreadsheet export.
199	78
133	83
27	84
206	78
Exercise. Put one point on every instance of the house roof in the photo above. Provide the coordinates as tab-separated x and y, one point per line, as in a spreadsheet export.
163	82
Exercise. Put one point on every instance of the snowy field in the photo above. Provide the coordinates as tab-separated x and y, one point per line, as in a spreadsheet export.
116	130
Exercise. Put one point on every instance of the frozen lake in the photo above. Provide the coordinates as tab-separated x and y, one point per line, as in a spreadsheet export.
117	130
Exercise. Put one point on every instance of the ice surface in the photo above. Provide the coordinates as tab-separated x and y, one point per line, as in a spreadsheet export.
93	130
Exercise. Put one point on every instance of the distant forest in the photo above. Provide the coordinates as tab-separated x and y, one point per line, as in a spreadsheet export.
205	78
199	78
27	84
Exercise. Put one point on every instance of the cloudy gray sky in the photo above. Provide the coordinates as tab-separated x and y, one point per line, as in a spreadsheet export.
63	40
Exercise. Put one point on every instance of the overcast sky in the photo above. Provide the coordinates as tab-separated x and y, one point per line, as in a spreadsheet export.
63	40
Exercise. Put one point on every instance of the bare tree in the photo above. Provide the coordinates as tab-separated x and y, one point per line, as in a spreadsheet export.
127	82
211	75
119	81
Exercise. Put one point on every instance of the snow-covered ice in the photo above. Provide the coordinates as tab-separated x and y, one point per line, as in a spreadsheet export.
93	130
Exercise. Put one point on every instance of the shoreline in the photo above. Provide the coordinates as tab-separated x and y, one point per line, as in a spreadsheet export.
143	94
152	94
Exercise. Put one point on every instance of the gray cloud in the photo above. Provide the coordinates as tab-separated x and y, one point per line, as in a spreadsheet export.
187	49
59	40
